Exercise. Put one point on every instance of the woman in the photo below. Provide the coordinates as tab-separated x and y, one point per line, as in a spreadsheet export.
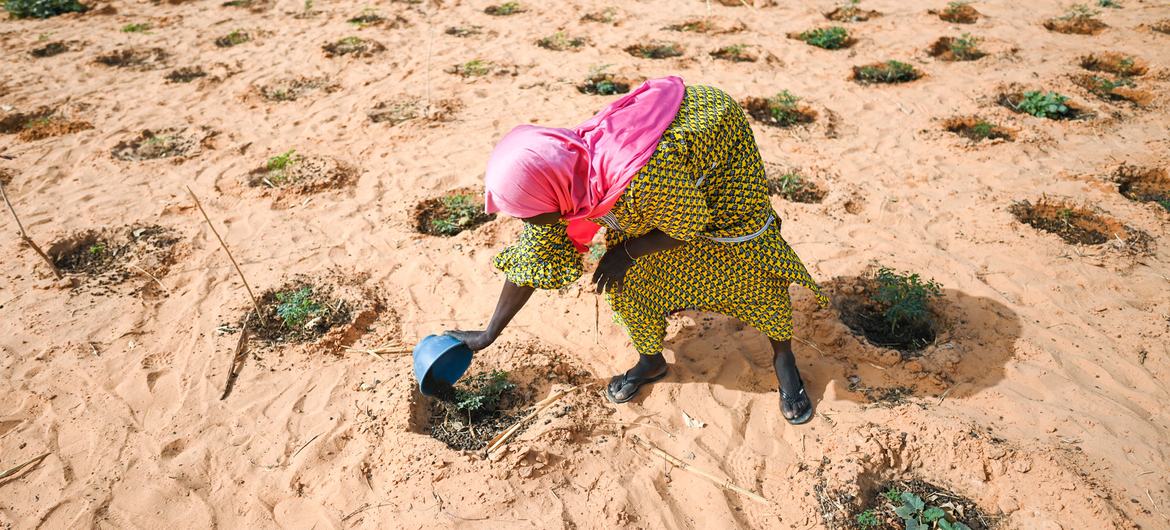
674	175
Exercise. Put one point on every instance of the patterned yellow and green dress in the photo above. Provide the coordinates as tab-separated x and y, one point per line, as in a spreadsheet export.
704	185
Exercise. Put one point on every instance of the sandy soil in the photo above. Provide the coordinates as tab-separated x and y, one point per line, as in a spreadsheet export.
1043	399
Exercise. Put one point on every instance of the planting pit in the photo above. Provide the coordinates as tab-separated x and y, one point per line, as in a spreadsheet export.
1076	24
959	13
851	13
54	48
469	414
888	72
878	506
235	38
451	214
1113	89
150	145
977	129
292	175
464	31
655	50
706	26
370	18
480	68
603	84
890	309
504	9
135	58
963	48
605	16
293	88
781	110
736	53
1078	225
395	112
101	259
40	124
354	46
831	38
185	74
1114	63
1018	100
560	41
793	186
1162	26
302	310
1143	184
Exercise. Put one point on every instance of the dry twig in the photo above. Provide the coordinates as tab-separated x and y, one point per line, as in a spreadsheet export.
24	235
14	470
156	280
725	483
255	304
504	436
237	360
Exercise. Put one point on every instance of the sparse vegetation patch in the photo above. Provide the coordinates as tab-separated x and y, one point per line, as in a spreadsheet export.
560	41
1079	225
919	505
891	309
977	129
42	8
1144	184
794	186
451	214
235	38
299	311
108	257
604	84
1115	63
185	74
830	38
293	88
1051	105
851	11
53	48
655	50
149	145
355	46
138	27
781	110
605	16
464	31
290	170
1109	88
959	12
504	9
888	72
964	48
1078	20
135	58
737	53
467	415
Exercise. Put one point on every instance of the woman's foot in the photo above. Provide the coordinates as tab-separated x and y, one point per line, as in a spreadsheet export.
624	387
794	402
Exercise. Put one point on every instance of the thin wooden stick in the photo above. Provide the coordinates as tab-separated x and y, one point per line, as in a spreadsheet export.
255	304
236	358
725	483
504	436
153	277
24	235
15	470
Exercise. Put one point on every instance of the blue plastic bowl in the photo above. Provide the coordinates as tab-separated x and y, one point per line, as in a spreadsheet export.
439	361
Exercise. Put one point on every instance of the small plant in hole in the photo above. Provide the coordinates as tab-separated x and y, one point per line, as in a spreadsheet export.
560	42
964	48
831	38
605	16
850	11
1145	184
185	74
603	84
368	17
655	50
887	72
1077	20
464	31
959	12
1049	105
468	414
892	309
1109	3
793	186
139	27
472	68
234	38
97	249
1079	225
781	110
462	212
867	520
737	53
355	46
977	129
296	307
278	165
42	8
504	9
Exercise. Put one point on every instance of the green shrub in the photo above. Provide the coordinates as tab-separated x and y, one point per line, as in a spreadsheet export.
294	308
42	8
905	298
1043	104
832	38
277	165
783	108
461	211
481	392
966	48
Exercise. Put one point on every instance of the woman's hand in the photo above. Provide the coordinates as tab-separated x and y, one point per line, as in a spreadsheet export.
611	270
476	340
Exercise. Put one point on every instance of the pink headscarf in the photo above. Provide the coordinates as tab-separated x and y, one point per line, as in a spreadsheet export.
581	172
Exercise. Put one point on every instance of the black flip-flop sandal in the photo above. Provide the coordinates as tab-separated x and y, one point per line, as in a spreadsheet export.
794	402
625	379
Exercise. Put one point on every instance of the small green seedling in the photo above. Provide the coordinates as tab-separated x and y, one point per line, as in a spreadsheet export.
462	211
783	108
831	38
368	17
560	42
1044	104
1165	203
234	38
905	297
504	9
482	392
42	8
474	68
887	72
277	165
294	308
97	249
966	48
868	520
140	27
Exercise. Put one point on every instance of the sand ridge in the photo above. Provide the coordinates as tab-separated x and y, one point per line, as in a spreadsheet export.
1042	399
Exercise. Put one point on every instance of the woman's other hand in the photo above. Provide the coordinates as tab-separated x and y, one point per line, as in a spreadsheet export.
476	340
611	270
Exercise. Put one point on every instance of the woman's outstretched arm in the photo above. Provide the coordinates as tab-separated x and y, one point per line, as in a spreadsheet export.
512	298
